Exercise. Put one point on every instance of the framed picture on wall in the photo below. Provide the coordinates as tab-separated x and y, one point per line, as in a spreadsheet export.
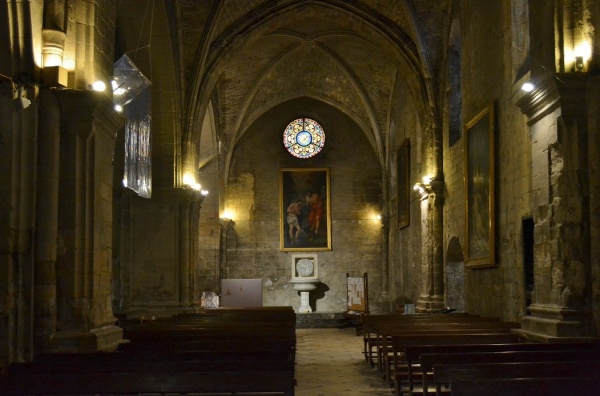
305	209
479	190
403	184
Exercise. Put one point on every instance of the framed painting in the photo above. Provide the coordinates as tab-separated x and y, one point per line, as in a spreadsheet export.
403	184
305	209
479	190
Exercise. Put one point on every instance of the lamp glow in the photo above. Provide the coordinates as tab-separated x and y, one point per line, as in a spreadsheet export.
227	215
527	87
99	86
189	179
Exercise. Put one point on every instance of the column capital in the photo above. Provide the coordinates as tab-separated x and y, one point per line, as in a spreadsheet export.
564	90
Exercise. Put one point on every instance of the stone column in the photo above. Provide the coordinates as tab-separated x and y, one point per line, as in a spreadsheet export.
89	127
222	271
46	230
561	298
384	300
189	212
432	266
185	254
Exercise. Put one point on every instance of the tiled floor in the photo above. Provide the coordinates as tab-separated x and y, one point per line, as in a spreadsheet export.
329	362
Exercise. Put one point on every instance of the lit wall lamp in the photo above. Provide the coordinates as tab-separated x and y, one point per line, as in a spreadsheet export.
99	86
527	87
384	220
579	63
197	194
425	187
227	216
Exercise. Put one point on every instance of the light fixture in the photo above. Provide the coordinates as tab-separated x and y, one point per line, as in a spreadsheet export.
527	87
425	187
99	86
227	215
579	63
21	102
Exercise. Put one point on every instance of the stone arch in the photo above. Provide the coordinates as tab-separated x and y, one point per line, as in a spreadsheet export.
455	275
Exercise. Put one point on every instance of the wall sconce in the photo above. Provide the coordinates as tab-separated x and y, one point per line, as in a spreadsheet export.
528	87
579	63
227	215
20	101
225	222
99	86
425	187
384	220
195	194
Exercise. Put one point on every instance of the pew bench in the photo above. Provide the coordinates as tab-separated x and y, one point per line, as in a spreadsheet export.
445	374
372	323
232	352
193	382
389	357
527	387
507	353
404	372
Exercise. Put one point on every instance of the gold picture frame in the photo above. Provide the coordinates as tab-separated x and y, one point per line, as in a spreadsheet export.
305	209
479	190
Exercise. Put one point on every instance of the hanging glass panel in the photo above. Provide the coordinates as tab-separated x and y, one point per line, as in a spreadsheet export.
132	94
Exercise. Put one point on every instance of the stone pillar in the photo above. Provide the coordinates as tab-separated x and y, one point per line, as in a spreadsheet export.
222	271
46	231
89	126
384	299
561	297
432	266
189	212
185	253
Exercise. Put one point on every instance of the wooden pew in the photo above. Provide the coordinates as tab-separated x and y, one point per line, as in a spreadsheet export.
425	357
195	382
372	323
375	326
400	342
386	331
527	387
444	374
232	351
387	356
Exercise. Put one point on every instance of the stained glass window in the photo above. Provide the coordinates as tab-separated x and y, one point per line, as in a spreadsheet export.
304	138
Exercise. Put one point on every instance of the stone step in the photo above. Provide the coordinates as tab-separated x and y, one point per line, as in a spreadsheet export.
319	320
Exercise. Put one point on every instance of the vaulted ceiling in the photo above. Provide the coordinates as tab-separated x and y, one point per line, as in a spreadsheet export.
364	57
360	56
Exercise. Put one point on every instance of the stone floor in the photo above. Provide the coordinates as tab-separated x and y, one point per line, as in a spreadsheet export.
329	362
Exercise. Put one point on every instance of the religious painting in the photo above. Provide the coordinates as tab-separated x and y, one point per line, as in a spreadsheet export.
479	190
305	214
403	184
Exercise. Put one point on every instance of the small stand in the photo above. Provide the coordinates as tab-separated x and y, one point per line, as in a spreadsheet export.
358	302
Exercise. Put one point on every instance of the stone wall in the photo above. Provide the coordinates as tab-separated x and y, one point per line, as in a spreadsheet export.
405	243
253	249
486	80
